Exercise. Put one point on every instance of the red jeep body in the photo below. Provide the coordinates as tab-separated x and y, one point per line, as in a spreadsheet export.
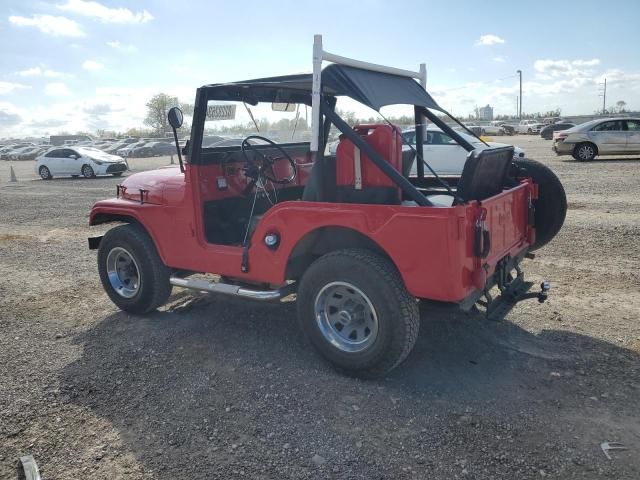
353	234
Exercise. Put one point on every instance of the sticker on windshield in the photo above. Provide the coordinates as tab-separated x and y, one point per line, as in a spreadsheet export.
221	112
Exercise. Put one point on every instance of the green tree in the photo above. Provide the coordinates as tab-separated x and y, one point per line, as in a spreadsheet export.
157	109
620	104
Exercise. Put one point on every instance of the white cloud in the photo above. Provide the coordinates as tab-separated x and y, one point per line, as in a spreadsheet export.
49	24
8	87
39	72
122	47
499	59
489	39
92	65
548	69
104	13
57	89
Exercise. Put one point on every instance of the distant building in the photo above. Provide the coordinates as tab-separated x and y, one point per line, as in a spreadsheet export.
485	113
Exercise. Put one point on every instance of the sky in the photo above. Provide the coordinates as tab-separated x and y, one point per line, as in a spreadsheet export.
76	65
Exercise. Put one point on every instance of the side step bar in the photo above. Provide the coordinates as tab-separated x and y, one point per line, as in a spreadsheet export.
235	290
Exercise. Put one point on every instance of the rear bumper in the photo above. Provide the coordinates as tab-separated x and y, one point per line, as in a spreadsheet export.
562	148
512	288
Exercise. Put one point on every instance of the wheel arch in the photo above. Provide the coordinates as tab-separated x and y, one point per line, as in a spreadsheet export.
106	217
326	239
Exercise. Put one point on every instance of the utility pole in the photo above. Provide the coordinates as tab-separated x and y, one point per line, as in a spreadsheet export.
519	72
603	94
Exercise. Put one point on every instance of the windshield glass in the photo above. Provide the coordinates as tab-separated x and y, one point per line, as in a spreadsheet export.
228	123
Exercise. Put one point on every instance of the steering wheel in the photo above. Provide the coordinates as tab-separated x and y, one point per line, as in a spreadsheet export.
256	171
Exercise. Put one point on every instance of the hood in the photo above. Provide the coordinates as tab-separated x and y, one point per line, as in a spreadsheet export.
102	156
159	184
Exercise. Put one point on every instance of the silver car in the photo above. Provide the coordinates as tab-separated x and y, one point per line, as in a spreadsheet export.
608	136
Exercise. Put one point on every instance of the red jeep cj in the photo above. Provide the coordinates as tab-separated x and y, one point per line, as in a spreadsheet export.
356	236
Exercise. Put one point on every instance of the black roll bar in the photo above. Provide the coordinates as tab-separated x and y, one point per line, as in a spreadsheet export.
406	186
446	128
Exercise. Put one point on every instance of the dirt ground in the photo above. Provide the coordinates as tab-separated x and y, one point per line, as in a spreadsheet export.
209	387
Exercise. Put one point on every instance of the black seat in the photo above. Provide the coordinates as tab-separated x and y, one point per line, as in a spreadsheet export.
484	173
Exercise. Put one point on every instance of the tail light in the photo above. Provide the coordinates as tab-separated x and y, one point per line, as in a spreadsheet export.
561	136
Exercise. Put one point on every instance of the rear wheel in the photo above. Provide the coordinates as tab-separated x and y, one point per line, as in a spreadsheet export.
87	171
585	152
551	205
45	173
356	311
131	270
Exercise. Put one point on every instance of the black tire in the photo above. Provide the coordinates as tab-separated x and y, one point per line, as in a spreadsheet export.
529	131
87	171
45	173
118	174
551	205
396	310
154	287
585	152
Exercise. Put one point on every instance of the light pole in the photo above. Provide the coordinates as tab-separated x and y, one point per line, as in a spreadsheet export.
519	72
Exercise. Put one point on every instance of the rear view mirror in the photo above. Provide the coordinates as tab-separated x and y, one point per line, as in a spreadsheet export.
283	107
175	117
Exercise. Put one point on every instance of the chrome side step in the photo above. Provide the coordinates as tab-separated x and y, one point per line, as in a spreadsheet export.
228	289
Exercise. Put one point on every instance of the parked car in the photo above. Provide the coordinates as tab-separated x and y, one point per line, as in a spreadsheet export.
30	153
529	127
491	129
120	144
547	132
154	149
85	161
476	129
446	156
610	136
128	150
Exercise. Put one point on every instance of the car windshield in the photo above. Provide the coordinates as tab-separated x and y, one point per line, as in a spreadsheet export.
282	123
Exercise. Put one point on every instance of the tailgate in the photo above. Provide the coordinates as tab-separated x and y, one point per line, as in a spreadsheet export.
507	221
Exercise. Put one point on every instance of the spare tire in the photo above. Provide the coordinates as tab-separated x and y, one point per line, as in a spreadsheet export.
551	205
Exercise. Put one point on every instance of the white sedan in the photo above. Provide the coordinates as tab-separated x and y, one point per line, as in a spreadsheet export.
444	155
85	161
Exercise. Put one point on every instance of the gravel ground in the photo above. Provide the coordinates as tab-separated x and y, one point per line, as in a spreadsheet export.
209	387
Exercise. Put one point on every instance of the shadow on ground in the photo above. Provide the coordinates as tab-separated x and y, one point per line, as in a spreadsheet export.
226	387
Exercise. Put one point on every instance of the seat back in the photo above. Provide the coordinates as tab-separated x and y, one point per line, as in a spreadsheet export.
484	173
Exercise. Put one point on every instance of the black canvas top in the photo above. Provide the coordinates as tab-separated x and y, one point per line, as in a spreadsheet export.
373	89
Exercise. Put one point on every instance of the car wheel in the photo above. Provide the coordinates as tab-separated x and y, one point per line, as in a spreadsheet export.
551	205
117	174
356	311
529	131
585	152
87	171
45	173
131	270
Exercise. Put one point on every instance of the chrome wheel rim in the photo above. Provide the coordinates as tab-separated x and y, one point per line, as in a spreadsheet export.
44	173
123	272
86	171
585	152
346	317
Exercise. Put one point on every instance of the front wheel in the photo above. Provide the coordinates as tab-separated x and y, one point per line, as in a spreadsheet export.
117	174
45	173
131	270
87	171
356	311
